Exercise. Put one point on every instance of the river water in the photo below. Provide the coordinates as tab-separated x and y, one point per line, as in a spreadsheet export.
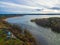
43	36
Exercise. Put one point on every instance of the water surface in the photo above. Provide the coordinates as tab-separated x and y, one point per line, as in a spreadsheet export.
43	36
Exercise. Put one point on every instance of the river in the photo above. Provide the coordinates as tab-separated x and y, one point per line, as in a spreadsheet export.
43	36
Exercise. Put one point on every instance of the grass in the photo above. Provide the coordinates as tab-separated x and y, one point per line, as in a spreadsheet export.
15	41
21	38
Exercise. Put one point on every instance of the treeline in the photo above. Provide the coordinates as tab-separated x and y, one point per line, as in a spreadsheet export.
10	15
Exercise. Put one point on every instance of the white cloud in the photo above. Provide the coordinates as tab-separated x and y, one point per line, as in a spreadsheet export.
39	3
16	5
17	8
28	5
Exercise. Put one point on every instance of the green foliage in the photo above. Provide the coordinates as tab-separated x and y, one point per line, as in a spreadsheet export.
21	38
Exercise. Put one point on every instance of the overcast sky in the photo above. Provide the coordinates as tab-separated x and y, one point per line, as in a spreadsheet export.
21	6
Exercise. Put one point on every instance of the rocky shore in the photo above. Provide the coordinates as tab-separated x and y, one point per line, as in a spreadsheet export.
52	22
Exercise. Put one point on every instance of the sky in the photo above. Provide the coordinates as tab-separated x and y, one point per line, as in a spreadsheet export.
26	6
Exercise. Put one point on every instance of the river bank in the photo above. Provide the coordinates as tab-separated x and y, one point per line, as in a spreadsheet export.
43	36
52	22
25	38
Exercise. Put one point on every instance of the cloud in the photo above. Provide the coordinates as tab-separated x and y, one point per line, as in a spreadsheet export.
12	7
38	3
24	6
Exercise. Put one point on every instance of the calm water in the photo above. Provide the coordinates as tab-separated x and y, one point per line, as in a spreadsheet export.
43	36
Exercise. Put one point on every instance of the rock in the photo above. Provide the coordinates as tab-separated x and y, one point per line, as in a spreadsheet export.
52	22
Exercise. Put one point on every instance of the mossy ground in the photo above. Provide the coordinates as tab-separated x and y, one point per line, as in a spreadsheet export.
10	41
21	38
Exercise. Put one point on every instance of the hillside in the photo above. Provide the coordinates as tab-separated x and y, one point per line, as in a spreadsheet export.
13	35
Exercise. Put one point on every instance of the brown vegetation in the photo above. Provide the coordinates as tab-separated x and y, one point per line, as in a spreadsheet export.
52	22
21	38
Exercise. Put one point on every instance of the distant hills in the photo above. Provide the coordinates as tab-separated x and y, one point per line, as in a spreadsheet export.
10	15
55	8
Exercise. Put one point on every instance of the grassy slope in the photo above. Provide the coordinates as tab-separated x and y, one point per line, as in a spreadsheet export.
21	39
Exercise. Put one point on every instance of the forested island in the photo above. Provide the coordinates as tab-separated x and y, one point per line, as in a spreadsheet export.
52	22
11	34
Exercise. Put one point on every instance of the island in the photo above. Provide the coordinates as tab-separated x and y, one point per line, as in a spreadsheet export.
11	34
51	22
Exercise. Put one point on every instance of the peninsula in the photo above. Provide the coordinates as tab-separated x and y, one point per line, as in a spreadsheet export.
52	22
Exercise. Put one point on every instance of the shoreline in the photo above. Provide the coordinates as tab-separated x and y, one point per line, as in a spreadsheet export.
14	28
52	22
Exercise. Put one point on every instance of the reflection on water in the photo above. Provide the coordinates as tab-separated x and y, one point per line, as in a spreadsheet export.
43	35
